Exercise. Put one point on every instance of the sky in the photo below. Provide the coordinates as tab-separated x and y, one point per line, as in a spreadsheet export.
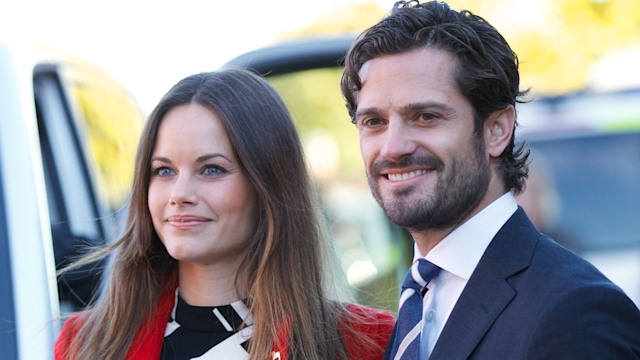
151	45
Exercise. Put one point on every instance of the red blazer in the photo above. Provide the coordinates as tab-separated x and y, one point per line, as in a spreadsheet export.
148	341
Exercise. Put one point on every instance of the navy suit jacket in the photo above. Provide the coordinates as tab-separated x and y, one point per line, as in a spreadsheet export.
530	298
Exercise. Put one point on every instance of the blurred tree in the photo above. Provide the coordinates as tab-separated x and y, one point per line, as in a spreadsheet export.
113	124
317	110
559	41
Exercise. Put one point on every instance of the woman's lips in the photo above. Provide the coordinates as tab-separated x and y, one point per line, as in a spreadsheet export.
186	221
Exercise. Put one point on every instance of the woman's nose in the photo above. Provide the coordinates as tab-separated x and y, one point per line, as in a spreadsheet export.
183	192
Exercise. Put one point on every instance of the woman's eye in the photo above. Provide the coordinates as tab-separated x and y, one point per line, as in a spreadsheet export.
163	171
213	170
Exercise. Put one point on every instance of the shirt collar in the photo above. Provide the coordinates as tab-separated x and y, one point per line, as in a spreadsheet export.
459	252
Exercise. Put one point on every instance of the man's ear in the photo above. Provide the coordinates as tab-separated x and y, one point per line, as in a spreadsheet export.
498	130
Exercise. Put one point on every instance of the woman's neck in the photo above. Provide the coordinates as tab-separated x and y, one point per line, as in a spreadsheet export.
210	285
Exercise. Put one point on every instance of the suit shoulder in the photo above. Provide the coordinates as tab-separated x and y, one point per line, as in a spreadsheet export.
566	266
590	321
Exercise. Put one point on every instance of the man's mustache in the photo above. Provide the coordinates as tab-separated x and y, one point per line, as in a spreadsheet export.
408	161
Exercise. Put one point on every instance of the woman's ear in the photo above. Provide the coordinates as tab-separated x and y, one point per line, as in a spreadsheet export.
498	130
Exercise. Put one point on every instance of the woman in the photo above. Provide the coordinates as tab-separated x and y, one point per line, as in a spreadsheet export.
223	221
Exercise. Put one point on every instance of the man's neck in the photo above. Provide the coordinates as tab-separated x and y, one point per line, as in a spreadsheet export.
429	238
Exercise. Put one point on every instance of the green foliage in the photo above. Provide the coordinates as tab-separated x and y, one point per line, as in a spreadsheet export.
559	41
315	102
559	61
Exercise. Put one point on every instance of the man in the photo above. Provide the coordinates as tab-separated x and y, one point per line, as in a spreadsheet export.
433	94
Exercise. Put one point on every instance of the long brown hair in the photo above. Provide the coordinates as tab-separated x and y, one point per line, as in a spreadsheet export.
283	269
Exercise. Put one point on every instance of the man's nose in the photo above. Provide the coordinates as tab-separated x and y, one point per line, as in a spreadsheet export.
398	141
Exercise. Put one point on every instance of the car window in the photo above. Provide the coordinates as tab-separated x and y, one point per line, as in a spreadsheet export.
593	193
67	178
72	206
88	131
110	122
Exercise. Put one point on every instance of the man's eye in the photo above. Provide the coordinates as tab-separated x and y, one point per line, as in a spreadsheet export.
371	122
427	117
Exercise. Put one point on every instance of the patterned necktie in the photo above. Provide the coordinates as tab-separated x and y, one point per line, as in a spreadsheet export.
407	341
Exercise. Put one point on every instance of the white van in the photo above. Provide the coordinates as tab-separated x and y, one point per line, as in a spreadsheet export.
68	133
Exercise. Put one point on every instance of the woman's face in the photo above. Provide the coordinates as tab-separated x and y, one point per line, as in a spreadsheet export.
202	204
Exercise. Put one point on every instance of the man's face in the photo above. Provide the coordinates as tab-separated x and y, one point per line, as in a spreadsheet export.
425	166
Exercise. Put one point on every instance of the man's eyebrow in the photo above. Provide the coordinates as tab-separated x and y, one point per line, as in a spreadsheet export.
408	108
367	111
418	106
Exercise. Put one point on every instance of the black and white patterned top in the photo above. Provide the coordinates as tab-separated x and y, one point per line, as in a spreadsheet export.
207	333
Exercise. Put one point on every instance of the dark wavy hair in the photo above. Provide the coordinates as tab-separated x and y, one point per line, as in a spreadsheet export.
486	73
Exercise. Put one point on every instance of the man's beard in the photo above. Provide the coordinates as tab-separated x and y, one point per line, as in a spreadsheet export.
457	192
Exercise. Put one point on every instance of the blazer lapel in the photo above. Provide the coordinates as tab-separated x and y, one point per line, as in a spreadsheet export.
487	293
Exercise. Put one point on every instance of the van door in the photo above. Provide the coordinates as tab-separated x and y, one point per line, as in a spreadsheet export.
7	343
88	128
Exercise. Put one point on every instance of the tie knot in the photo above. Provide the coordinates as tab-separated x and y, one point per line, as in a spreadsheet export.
421	272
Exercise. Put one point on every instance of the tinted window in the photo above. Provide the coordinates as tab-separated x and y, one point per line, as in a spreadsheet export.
596	185
69	187
72	206
109	122
88	129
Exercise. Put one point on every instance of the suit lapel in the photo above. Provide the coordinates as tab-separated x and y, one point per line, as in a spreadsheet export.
472	316
487	293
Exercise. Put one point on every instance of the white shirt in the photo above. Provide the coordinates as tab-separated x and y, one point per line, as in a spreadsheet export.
458	255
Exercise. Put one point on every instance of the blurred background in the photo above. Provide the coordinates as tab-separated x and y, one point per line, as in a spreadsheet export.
579	57
564	45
